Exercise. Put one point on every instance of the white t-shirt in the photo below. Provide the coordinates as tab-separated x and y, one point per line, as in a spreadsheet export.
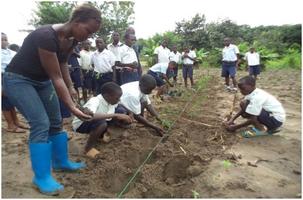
132	97
261	99
159	67
103	61
96	104
252	58
115	49
127	54
188	61
6	57
230	53
175	57
163	54
85	60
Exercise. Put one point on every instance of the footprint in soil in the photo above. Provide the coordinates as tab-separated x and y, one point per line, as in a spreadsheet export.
176	169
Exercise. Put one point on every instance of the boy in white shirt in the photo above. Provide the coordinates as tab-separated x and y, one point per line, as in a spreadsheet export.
159	71
129	61
162	53
86	69
175	56
262	110
230	62
135	99
102	108
189	57
103	61
253	61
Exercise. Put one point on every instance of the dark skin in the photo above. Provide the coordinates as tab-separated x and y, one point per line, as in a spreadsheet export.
100	130
151	110
227	42
116	39
245	89
58	72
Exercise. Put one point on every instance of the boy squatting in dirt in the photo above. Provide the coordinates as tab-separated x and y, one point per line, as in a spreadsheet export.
102	108
261	109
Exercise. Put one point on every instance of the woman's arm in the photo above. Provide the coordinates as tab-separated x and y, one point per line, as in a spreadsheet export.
51	65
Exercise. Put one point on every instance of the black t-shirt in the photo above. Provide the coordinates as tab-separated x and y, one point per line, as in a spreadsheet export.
27	61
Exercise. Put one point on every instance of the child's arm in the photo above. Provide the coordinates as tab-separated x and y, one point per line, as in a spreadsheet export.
152	111
123	117
234	127
144	121
166	79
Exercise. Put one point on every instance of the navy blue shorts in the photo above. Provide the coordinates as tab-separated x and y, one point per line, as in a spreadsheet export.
88	79
75	75
175	71
228	69
269	121
87	127
254	70
128	76
157	77
187	71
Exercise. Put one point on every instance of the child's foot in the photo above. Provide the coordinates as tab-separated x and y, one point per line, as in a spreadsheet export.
227	87
92	153
23	126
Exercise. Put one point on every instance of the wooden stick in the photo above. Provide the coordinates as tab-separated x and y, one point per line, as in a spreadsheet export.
196	122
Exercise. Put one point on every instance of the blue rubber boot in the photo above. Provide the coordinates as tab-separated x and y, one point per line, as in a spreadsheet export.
60	161
40	154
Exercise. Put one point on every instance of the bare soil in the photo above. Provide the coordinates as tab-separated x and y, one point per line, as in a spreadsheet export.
198	158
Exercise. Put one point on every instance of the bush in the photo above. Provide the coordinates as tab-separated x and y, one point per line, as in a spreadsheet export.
292	59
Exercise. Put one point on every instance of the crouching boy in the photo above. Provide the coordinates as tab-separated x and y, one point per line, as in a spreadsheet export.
159	71
102	108
261	109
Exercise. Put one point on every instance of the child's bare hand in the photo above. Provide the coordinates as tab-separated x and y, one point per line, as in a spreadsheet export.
160	131
86	111
231	128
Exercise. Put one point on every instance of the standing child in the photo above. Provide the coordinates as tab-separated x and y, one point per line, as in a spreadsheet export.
253	61
162	53
188	63
102	107
262	110
175	56
159	71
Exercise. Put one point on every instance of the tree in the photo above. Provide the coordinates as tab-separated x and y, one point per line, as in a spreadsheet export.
116	15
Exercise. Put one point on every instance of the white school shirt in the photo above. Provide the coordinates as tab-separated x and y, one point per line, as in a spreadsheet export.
132	97
96	104
163	54
115	49
252	58
188	61
127	54
159	67
175	57
261	99
6	57
103	61
230	53
85	60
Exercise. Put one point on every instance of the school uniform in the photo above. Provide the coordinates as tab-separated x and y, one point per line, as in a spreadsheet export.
157	72
6	57
128	55
162	53
187	69
86	68
132	97
266	107
115	49
253	60
96	104
103	63
229	60
177	58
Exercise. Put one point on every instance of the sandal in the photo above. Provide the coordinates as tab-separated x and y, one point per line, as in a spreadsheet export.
16	130
254	132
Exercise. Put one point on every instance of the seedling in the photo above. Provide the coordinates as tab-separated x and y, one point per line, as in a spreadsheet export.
166	123
226	164
196	195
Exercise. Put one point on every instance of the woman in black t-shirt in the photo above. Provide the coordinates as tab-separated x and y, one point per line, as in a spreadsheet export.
32	81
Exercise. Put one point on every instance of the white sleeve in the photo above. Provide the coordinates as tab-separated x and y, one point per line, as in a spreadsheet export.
245	57
156	51
92	104
163	69
112	58
236	49
255	106
132	104
145	98
194	54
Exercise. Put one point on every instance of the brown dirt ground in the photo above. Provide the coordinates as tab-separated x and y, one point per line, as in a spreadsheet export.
199	156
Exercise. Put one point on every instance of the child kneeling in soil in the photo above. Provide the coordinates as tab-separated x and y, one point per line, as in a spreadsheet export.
135	99
262	110
102	108
159	71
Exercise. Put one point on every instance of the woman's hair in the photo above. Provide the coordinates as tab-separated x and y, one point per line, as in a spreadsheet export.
85	12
